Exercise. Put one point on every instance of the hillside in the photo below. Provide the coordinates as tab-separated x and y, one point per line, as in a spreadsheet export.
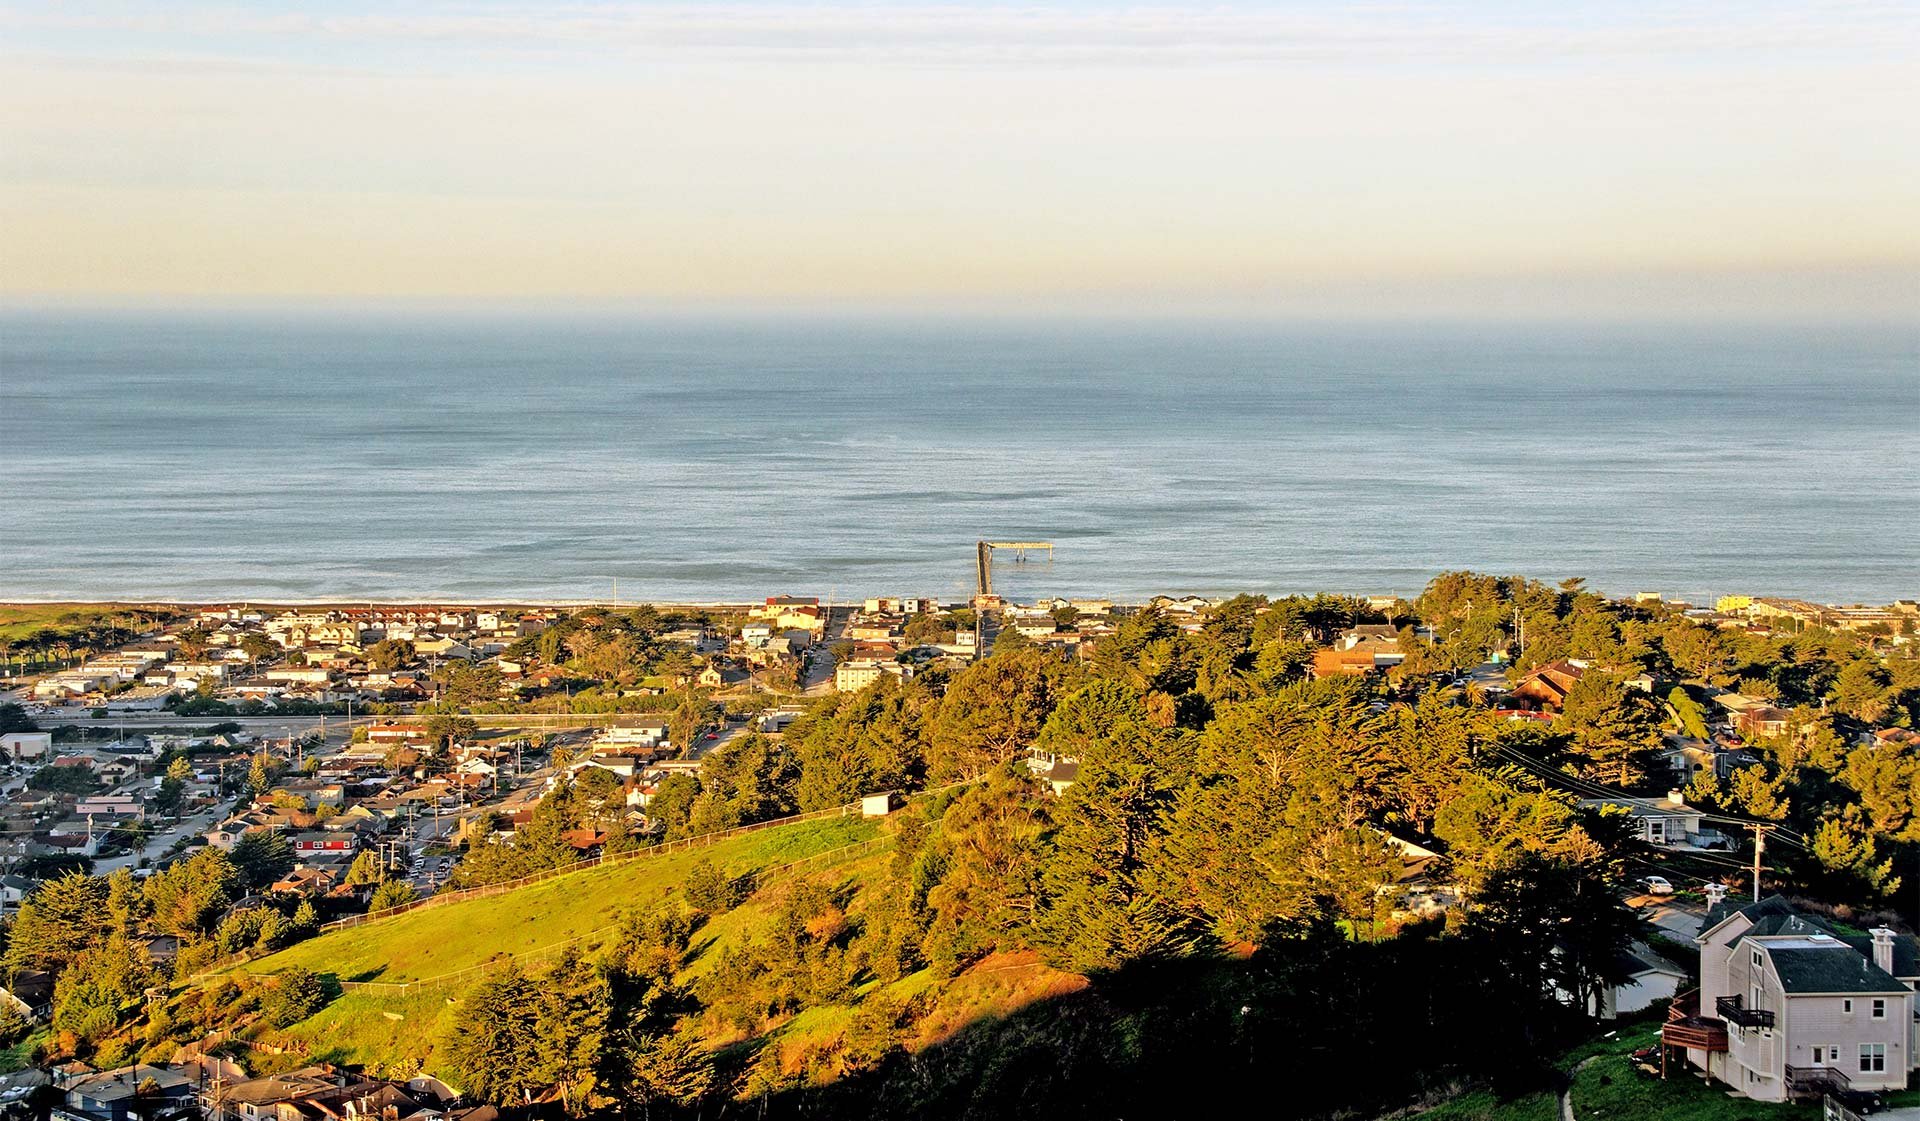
418	960
407	978
433	941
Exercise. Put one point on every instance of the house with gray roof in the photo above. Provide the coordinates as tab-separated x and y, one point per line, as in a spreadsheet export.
136	1093
1793	1006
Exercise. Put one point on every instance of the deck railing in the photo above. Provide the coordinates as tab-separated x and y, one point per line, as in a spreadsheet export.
1733	1010
1695	1033
1817	1080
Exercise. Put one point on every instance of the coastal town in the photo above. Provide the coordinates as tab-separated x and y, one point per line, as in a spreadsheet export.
350	762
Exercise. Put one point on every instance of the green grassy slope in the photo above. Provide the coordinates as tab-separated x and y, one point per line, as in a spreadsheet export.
1609	1087
434	941
436	952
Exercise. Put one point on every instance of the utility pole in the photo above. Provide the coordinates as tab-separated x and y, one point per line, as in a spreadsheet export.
1759	844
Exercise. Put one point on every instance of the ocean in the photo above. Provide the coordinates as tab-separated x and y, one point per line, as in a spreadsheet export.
277	457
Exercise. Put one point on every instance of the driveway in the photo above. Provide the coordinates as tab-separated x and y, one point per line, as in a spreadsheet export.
1678	919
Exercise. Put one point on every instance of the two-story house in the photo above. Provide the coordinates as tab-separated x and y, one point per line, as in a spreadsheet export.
1789	1007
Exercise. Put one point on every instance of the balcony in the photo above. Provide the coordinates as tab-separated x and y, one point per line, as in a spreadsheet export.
1695	1032
1732	1011
1816	1081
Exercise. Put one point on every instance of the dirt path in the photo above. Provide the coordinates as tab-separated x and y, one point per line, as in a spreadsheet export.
1566	1091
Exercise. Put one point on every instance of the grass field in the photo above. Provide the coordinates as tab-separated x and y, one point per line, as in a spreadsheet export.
434	941
1609	1087
17	620
395	1031
1484	1105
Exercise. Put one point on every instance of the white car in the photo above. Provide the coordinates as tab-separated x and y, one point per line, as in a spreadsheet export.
1656	885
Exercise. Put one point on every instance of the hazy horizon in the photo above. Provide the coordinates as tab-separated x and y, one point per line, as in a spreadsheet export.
1471	160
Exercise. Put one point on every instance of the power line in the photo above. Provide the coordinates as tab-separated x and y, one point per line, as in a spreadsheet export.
1588	786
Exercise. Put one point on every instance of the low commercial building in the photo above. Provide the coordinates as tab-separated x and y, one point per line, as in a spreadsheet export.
26	745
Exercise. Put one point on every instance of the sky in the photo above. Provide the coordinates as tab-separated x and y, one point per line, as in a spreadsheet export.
1713	159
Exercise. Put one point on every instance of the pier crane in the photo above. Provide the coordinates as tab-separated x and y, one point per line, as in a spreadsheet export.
983	564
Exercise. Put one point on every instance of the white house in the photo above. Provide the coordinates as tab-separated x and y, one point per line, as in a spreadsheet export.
1650	979
1661	821
1788	1008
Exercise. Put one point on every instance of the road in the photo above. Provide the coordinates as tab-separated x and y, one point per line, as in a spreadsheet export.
727	735
156	848
816	675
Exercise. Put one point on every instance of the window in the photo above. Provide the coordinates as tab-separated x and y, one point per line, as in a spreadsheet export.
1873	1058
1756	959
1879	1008
1846	1006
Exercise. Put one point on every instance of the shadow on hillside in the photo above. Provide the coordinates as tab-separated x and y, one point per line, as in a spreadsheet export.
1339	1035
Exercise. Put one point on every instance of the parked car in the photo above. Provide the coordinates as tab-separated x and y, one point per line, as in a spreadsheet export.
1655	885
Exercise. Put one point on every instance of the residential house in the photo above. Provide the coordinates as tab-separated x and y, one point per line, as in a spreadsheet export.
1545	688
1661	821
299	675
1789	1008
1731	706
858	673
1058	771
1690	758
324	1092
1062	774
323	841
135	1093
1650	979
1359	651
1419	891
1762	721
877	628
110	806
306	882
13	890
725	674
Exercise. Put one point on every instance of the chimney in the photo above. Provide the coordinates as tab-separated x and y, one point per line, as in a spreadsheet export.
1883	948
1677	797
1716	894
